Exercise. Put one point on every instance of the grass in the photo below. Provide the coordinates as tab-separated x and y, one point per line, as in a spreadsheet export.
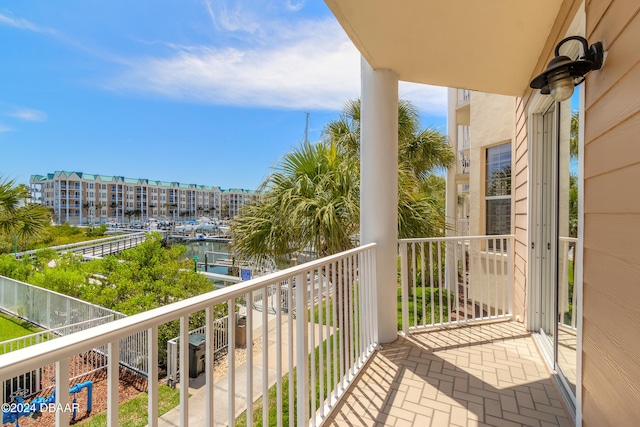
425	293
11	328
322	310
133	413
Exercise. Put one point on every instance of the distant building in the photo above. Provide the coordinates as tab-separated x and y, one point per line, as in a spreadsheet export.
81	198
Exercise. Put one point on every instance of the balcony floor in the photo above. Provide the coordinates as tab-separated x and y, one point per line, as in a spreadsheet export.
481	375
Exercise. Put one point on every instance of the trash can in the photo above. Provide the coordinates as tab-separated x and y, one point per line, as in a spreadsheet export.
241	332
197	348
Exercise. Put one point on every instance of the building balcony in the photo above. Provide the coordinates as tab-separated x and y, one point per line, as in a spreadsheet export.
464	97
458	360
464	162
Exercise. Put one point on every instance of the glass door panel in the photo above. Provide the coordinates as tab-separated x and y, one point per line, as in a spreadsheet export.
568	191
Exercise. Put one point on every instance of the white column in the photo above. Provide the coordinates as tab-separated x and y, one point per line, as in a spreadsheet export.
379	188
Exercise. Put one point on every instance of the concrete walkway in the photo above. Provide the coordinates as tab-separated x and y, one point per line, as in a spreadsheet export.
197	389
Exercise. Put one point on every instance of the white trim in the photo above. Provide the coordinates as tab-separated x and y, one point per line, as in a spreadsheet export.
580	255
537	107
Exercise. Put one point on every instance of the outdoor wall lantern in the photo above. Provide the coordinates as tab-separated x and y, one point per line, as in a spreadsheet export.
562	73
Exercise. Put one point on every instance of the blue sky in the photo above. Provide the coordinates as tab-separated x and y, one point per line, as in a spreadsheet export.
196	91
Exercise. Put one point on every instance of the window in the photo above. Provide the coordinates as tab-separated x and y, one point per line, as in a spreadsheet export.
90	186
498	190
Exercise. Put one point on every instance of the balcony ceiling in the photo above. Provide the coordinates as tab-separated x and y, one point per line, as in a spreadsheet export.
490	45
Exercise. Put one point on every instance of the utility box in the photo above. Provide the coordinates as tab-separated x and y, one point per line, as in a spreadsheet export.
241	332
197	350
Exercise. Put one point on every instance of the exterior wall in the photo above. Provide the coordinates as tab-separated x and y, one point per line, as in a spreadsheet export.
611	336
491	123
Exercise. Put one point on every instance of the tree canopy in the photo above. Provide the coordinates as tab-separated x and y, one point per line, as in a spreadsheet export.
19	218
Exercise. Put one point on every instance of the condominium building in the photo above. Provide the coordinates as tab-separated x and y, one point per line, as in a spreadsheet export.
80	198
480	130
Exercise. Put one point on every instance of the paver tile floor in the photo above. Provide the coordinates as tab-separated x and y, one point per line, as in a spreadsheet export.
481	375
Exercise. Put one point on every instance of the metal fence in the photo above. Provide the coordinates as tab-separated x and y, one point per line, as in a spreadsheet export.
61	315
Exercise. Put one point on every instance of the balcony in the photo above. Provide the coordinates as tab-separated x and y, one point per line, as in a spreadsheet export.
459	359
464	162
464	96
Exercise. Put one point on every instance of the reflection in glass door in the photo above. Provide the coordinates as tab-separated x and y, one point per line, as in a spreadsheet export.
555	238
568	190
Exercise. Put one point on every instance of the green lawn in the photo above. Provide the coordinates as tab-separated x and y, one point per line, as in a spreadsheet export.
426	294
11	328
133	413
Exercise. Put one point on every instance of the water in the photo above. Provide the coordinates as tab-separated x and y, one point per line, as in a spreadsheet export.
200	247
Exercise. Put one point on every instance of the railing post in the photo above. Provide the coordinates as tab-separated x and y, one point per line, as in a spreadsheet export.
62	392
404	290
301	348
183	354
210	346
152	376
511	264
231	373
113	382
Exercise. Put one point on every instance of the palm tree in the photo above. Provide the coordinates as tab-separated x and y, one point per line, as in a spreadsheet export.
85	208
99	207
19	218
311	201
421	151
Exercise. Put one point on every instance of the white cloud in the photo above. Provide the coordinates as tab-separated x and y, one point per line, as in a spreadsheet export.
306	65
4	128
28	115
428	99
23	24
318	69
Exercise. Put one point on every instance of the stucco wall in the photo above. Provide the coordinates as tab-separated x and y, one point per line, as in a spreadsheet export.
491	123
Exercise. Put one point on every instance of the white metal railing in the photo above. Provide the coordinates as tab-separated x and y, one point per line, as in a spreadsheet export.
454	280
327	352
462	227
464	96
566	279
61	315
464	138
464	162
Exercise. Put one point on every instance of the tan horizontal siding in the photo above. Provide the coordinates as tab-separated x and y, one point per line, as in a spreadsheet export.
615	149
611	313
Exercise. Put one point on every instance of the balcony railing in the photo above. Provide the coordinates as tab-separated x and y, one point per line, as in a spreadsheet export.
464	96
464	162
455	280
328	331
464	138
